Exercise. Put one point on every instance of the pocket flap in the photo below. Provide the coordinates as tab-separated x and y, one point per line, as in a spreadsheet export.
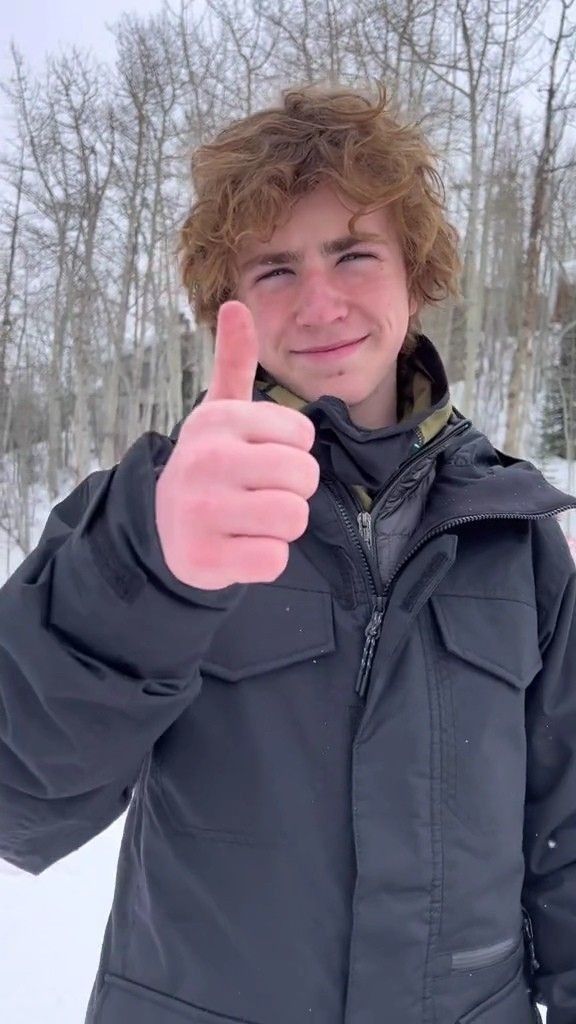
270	628
496	634
125	1001
510	1005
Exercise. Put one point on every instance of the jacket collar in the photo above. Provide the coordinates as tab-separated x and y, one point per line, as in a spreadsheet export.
366	459
423	397
474	480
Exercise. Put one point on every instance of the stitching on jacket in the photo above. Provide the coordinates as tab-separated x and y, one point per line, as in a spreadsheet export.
432	568
436	902
126	584
353	955
346	594
489	596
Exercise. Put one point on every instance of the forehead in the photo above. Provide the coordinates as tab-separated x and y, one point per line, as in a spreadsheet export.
316	218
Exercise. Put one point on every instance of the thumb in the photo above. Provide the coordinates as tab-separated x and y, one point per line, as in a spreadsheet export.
235	354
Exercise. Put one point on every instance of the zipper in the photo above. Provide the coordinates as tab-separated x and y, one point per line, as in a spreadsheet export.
365	519
364	530
486	956
423	450
373	629
372	635
472	519
529	940
365	522
363	676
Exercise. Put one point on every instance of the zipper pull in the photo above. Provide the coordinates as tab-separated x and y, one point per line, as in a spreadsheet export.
372	633
365	527
529	940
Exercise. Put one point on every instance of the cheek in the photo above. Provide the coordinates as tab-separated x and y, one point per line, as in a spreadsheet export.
268	322
388	299
267	318
387	286
273	318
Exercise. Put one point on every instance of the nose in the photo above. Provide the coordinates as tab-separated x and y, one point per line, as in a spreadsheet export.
319	302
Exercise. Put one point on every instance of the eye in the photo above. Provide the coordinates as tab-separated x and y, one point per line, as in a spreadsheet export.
366	255
281	270
348	255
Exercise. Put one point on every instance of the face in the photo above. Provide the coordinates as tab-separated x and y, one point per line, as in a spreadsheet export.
309	288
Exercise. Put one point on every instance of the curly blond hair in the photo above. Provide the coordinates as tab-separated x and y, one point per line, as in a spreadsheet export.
248	178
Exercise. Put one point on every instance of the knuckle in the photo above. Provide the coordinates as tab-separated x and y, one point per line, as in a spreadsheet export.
295	426
277	561
297	515
203	506
222	455
202	423
211	456
203	555
305	428
311	474
207	414
192	426
210	451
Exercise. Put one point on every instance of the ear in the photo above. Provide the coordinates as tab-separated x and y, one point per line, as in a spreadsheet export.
413	305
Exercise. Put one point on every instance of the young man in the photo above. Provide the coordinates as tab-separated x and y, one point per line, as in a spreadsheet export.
322	638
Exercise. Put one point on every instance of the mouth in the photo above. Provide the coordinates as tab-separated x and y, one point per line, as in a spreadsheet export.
341	348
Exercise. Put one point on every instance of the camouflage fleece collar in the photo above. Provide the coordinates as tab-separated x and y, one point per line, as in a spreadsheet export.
423	410
414	381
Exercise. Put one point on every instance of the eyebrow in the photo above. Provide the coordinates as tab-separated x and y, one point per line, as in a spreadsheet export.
331	248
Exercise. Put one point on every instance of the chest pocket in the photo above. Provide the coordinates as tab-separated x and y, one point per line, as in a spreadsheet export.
271	629
487	654
231	766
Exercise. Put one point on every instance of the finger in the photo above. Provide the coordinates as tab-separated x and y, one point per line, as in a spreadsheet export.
235	354
266	513
268	465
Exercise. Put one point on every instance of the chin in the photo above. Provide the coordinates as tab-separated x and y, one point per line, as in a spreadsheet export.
346	391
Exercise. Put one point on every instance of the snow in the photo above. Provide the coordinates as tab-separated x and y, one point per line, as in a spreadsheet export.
51	931
52	925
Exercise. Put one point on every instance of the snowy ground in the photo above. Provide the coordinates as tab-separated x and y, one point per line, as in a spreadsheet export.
51	926
51	930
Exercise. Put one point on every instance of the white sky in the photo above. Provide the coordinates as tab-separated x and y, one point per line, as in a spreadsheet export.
39	28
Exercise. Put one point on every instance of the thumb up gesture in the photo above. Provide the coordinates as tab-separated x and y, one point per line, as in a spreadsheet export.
234	491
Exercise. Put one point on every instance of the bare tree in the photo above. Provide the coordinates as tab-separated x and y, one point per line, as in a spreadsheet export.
87	137
94	343
8	299
557	103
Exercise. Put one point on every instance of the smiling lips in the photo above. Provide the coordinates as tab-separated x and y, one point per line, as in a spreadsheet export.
342	346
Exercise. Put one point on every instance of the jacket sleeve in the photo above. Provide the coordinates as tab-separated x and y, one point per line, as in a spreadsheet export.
100	648
549	893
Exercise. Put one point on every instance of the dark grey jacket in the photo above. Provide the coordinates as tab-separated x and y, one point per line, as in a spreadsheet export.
352	792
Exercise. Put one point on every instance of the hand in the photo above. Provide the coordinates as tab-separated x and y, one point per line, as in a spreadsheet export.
234	491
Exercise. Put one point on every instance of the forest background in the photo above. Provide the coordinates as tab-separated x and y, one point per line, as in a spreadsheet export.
97	341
